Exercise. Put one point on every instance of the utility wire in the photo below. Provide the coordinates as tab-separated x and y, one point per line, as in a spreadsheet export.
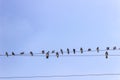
62	76
85	51
62	53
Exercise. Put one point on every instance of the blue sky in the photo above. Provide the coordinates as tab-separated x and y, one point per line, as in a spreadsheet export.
27	25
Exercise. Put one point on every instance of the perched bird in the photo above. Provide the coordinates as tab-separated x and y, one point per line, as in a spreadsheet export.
114	48
22	53
13	53
53	51
81	50
74	51
31	53
97	49
68	51
43	51
107	48
57	54
47	55
7	54
61	51
89	49
106	54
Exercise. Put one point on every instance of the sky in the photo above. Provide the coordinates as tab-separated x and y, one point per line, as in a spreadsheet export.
35	25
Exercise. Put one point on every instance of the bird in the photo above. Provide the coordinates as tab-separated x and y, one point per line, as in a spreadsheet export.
57	54
68	51
114	48
53	51
107	48
43	51
61	51
13	53
47	55
22	53
81	50
31	53
74	51
106	54
97	49
89	49
6	54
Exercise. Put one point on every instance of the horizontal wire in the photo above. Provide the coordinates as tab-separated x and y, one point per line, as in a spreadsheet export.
84	51
62	76
60	54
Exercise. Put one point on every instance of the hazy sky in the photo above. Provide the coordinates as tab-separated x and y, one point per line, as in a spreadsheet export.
34	25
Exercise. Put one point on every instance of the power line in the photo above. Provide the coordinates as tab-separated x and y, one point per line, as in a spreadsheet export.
85	51
62	76
117	55
68	51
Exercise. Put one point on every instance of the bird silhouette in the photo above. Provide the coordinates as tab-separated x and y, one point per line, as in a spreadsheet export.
43	51
53	51
22	53
31	53
97	49
47	55
106	54
114	48
68	51
57	54
107	48
7	54
74	51
89	49
13	53
81	50
61	51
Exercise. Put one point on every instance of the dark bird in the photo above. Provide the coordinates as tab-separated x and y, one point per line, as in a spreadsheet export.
57	54
81	50
61	51
22	53
107	48
53	51
13	53
68	51
74	51
89	49
43	51
114	48
31	53
106	54
47	55
6	54
97	49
